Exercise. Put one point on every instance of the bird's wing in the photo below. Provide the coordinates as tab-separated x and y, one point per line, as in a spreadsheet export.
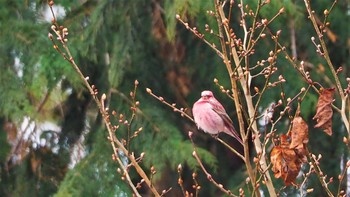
223	115
227	122
219	109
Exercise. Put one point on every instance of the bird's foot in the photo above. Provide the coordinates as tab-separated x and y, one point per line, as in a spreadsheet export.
215	136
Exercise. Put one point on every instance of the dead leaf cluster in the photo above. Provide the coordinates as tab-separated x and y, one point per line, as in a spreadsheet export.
288	156
290	152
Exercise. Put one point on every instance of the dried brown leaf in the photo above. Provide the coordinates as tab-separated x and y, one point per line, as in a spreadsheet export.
276	160
299	133
286	163
287	157
299	138
284	141
324	110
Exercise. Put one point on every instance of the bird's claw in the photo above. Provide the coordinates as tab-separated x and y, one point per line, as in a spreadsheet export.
215	136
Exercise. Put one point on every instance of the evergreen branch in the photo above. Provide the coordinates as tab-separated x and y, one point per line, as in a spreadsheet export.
16	148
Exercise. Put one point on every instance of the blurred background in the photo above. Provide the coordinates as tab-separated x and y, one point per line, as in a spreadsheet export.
52	139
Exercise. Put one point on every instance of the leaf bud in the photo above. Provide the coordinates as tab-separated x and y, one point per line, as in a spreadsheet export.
278	32
142	155
256	89
326	12
264	21
190	133
270	59
194	175
281	10
51	3
179	168
279	102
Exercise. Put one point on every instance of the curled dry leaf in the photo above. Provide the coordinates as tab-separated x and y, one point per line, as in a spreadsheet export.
286	163
299	133
287	157
299	137
324	110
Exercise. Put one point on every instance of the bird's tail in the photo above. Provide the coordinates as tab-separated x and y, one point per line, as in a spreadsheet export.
232	132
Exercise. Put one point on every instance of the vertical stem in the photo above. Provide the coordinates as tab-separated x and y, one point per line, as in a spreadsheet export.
236	99
293	39
251	110
330	65
113	140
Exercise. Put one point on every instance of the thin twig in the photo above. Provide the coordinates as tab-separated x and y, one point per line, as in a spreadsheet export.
209	177
221	17
330	64
199	35
318	171
114	141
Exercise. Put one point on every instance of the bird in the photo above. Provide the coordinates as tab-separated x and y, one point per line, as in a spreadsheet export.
211	117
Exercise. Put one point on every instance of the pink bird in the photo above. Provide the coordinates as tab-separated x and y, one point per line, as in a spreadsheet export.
210	116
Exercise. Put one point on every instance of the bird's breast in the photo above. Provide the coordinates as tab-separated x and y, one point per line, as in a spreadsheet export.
207	119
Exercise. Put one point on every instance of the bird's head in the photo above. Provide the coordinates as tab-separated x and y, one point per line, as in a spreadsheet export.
206	94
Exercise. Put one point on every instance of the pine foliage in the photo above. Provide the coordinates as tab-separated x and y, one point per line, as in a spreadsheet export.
116	42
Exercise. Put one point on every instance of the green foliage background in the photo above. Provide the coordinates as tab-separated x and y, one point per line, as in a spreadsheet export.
115	43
